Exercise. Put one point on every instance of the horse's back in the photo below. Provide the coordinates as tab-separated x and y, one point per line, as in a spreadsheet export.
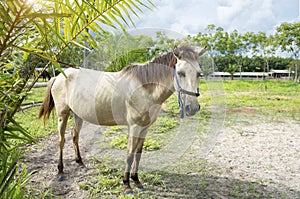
80	89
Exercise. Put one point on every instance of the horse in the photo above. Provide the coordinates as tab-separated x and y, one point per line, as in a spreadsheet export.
45	75
132	97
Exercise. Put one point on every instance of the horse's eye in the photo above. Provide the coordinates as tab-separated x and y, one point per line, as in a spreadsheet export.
181	74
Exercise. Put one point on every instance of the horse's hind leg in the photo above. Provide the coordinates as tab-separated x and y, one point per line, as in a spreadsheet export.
62	124
75	135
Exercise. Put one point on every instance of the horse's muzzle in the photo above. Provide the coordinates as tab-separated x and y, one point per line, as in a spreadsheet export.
191	110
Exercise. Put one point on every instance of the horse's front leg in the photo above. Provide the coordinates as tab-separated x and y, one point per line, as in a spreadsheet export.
131	145
136	139
137	158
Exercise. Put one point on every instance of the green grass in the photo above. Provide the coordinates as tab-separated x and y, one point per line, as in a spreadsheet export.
107	183
162	125
265	97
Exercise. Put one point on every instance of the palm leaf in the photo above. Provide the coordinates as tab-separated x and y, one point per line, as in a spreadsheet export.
45	30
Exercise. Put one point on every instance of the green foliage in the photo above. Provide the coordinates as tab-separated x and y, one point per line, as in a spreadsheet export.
234	47
231	68
117	51
12	184
28	118
31	33
207	65
120	141
163	124
29	121
253	64
288	39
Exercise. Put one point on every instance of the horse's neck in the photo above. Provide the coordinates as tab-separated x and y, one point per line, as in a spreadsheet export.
163	91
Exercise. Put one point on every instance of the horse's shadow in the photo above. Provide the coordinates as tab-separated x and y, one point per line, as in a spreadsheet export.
205	186
178	185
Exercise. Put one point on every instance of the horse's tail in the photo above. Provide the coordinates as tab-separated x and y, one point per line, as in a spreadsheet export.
48	103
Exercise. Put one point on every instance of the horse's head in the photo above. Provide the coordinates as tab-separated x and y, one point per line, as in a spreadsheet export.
186	79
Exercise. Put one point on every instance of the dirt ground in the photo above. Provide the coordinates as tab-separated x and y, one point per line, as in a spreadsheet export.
248	156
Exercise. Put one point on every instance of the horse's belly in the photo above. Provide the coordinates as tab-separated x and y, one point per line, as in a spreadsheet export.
87	113
110	120
99	112
110	113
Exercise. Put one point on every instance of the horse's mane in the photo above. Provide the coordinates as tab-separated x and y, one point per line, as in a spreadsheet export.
160	67
186	52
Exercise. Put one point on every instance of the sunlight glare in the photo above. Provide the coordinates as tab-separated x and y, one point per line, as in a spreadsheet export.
33	1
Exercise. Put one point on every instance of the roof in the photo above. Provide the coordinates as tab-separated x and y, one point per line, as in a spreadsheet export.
252	74
279	71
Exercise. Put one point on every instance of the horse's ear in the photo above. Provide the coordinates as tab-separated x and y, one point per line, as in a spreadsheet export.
176	52
202	51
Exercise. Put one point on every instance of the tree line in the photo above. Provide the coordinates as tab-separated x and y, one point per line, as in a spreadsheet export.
279	50
230	51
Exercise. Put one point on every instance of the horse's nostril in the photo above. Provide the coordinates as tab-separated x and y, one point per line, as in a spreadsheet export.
187	108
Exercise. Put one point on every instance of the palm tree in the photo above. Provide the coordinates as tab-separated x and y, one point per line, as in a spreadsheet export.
44	29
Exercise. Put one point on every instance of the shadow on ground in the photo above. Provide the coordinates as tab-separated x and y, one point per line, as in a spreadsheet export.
42	159
169	185
199	186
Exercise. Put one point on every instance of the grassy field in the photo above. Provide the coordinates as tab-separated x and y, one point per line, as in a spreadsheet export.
263	97
267	98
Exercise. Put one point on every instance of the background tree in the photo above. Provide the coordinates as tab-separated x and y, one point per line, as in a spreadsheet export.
208	39
288	39
231	69
206	65
230	46
263	46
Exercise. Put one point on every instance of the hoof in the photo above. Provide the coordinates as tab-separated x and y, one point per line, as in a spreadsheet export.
128	192
83	169
141	188
61	178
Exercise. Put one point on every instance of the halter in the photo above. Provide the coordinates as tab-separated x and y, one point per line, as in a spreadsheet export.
181	90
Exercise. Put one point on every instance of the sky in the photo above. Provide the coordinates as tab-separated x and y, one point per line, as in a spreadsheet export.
193	16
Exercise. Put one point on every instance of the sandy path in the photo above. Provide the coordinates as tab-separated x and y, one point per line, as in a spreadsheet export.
249	152
261	151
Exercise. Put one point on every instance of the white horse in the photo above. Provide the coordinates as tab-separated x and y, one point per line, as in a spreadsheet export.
131	97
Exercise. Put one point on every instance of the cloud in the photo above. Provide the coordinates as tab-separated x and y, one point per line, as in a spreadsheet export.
182	16
246	15
193	16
